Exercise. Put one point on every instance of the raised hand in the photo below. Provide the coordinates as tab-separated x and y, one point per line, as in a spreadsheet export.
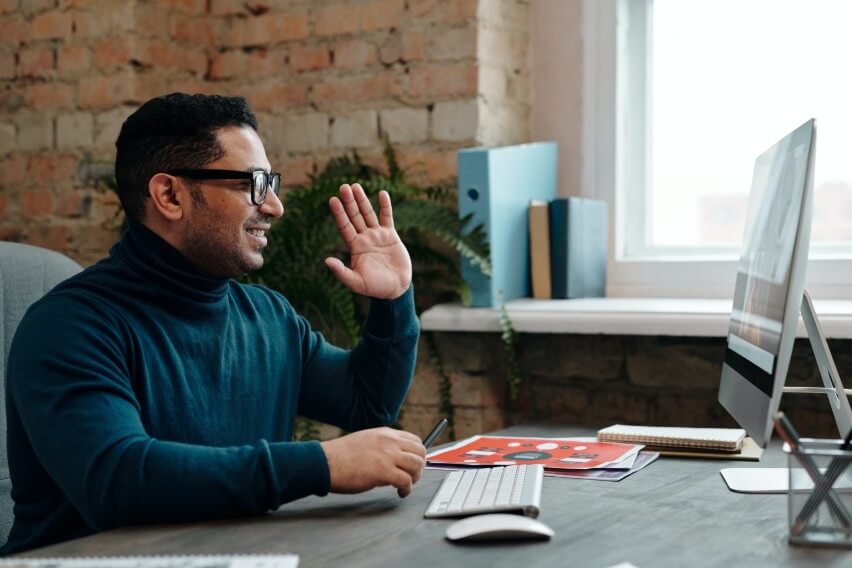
379	263
372	458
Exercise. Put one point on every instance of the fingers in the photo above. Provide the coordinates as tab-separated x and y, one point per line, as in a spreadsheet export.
345	275
358	207
385	210
341	219
364	206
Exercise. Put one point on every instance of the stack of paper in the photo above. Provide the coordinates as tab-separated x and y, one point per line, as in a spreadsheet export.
563	457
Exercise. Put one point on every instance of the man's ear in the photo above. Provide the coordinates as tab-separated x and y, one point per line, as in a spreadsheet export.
168	196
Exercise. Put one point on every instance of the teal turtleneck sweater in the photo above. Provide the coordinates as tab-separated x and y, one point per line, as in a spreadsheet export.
142	391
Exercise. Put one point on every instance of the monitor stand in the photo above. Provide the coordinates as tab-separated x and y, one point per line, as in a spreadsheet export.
775	480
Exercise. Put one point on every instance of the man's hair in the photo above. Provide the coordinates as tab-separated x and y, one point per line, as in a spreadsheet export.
171	132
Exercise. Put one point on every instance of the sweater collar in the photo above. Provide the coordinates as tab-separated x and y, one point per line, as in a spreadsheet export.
162	264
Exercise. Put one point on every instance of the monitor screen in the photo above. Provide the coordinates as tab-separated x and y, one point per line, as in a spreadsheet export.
770	283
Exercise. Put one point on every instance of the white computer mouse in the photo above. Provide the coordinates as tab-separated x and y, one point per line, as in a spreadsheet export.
498	526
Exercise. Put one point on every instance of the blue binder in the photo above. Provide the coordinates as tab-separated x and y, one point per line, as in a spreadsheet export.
578	247
495	185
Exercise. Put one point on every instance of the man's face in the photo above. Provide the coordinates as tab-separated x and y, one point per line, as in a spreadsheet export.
225	234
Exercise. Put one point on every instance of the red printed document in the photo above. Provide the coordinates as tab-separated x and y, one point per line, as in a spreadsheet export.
552	453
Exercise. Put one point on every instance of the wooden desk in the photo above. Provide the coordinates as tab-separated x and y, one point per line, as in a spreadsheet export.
673	513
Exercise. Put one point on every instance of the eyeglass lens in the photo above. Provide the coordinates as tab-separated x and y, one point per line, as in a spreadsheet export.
262	182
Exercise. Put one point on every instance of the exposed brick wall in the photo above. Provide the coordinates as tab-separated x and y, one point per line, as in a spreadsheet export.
324	76
599	380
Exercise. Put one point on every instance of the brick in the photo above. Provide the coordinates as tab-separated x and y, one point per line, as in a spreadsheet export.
95	238
355	130
309	58
455	120
275	95
295	170
427	166
414	45
108	125
112	17
270	28
442	11
149	83
403	125
266	62
354	53
32	7
74	130
76	3
106	91
227	7
453	44
36	62
167	55
382	14
659	363
336	90
4	207
7	65
149	21
52	25
8	6
227	64
36	203
200	31
35	131
10	234
194	7
306	132
72	204
43	96
47	168
72	61
13	31
50	237
7	138
337	19
13	171
458	79
111	53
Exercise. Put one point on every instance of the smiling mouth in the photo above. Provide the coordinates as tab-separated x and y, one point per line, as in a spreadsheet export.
256	232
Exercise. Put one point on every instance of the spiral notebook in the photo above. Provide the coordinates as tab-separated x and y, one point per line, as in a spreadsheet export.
713	439
165	561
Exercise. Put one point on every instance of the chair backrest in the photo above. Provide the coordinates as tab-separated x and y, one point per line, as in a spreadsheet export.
26	274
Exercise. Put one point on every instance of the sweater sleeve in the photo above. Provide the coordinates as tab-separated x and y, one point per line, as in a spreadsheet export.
70	384
364	387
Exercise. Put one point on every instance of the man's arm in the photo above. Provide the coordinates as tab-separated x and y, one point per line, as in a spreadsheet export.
367	387
70	384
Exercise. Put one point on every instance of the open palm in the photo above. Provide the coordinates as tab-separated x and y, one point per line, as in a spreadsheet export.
379	263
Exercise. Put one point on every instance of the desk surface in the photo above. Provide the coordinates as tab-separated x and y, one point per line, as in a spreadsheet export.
675	512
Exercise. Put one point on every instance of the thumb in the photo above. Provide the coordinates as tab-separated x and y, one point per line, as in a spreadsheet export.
345	275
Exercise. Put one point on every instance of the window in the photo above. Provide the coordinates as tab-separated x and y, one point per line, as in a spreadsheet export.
682	96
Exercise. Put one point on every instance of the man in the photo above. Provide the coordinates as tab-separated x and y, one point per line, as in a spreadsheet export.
153	387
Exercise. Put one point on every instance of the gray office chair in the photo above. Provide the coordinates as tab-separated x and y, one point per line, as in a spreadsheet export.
26	274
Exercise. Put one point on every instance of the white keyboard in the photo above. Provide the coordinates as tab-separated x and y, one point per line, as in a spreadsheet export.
505	489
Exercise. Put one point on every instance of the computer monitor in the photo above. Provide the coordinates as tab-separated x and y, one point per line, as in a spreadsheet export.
770	291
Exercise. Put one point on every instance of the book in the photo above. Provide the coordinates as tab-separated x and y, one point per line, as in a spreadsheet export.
715	439
495	186
578	247
159	561
539	249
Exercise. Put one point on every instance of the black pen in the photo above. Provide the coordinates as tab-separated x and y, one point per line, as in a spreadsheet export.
436	431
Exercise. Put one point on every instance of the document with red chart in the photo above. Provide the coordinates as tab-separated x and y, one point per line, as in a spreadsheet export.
552	453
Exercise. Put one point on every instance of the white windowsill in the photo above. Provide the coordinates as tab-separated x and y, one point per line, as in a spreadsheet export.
619	316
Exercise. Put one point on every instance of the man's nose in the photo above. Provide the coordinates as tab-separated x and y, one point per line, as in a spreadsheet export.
272	206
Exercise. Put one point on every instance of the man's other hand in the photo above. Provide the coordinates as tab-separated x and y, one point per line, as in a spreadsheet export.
372	458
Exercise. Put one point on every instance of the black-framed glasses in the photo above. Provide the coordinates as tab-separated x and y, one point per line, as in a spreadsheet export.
261	181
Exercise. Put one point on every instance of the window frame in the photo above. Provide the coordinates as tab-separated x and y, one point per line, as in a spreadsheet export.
614	142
